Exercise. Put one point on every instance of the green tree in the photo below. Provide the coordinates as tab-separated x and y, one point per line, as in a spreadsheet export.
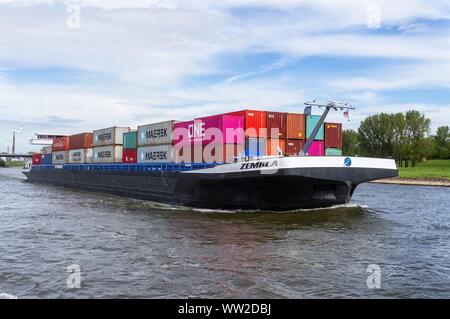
2	163
376	135
350	143
417	127
441	143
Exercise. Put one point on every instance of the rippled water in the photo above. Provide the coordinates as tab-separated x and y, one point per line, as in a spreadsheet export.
135	249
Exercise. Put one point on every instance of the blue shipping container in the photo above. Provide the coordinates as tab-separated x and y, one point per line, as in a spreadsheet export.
311	122
255	146
46	159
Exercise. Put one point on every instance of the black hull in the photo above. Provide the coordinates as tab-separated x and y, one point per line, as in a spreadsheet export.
286	189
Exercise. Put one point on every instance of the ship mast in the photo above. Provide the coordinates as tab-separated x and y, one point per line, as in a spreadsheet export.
330	105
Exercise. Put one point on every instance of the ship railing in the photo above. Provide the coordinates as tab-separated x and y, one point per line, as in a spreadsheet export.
154	167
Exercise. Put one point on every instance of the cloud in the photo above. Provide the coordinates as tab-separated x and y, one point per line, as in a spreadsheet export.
136	61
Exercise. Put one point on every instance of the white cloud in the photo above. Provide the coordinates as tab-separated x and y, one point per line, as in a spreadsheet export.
149	49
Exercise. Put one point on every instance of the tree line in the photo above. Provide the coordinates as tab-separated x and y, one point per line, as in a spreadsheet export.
403	136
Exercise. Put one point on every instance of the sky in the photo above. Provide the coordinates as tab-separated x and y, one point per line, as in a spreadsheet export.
73	66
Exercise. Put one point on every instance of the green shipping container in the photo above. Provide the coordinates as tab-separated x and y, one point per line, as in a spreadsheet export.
130	140
333	152
311	122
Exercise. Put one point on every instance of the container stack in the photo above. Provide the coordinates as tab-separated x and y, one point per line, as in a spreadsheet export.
255	127
80	148
295	133
333	139
318	146
60	150
276	133
154	143
108	145
129	154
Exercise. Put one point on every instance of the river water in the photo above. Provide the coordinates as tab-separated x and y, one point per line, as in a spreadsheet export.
127	248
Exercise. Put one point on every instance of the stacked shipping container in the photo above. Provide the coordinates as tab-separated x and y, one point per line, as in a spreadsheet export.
80	148
108	145
60	150
129	154
333	139
155	143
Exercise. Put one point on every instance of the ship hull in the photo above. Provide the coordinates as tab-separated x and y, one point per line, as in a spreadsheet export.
274	184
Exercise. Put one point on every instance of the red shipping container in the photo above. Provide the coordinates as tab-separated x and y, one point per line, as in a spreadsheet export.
295	126
36	159
317	148
293	147
255	122
231	128
333	135
129	155
276	121
61	144
273	145
79	141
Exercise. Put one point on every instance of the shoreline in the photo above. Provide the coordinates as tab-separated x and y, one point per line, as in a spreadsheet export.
440	182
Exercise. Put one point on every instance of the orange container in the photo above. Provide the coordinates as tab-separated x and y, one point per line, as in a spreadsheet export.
333	135
293	147
61	144
78	141
273	144
295	126
255	122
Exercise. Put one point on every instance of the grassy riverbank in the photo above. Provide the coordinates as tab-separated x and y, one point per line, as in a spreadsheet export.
433	169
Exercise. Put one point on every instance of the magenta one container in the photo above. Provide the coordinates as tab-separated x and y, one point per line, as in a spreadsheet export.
181	133
317	149
229	126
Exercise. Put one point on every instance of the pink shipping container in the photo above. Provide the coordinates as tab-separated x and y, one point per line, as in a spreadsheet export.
183	133
317	148
230	127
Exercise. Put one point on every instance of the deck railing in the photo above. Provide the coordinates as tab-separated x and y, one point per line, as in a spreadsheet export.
156	167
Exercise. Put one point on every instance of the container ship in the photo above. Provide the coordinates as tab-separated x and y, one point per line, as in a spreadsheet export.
244	160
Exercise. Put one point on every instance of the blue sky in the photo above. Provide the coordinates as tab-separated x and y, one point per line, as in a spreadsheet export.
134	62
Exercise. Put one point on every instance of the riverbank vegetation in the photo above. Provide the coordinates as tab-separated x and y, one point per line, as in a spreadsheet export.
406	137
427	170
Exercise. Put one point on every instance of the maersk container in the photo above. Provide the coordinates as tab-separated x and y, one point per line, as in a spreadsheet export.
107	154
155	154
255	122
155	134
61	144
317	148
46	159
130	140
333	135
276	125
311	122
333	151
36	159
219	129
295	126
79	141
255	146
293	147
129	155
109	136
60	157
80	156
275	146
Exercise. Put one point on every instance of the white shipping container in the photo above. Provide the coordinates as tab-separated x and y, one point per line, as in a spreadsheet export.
61	157
107	154
155	154
80	156
155	134
109	136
